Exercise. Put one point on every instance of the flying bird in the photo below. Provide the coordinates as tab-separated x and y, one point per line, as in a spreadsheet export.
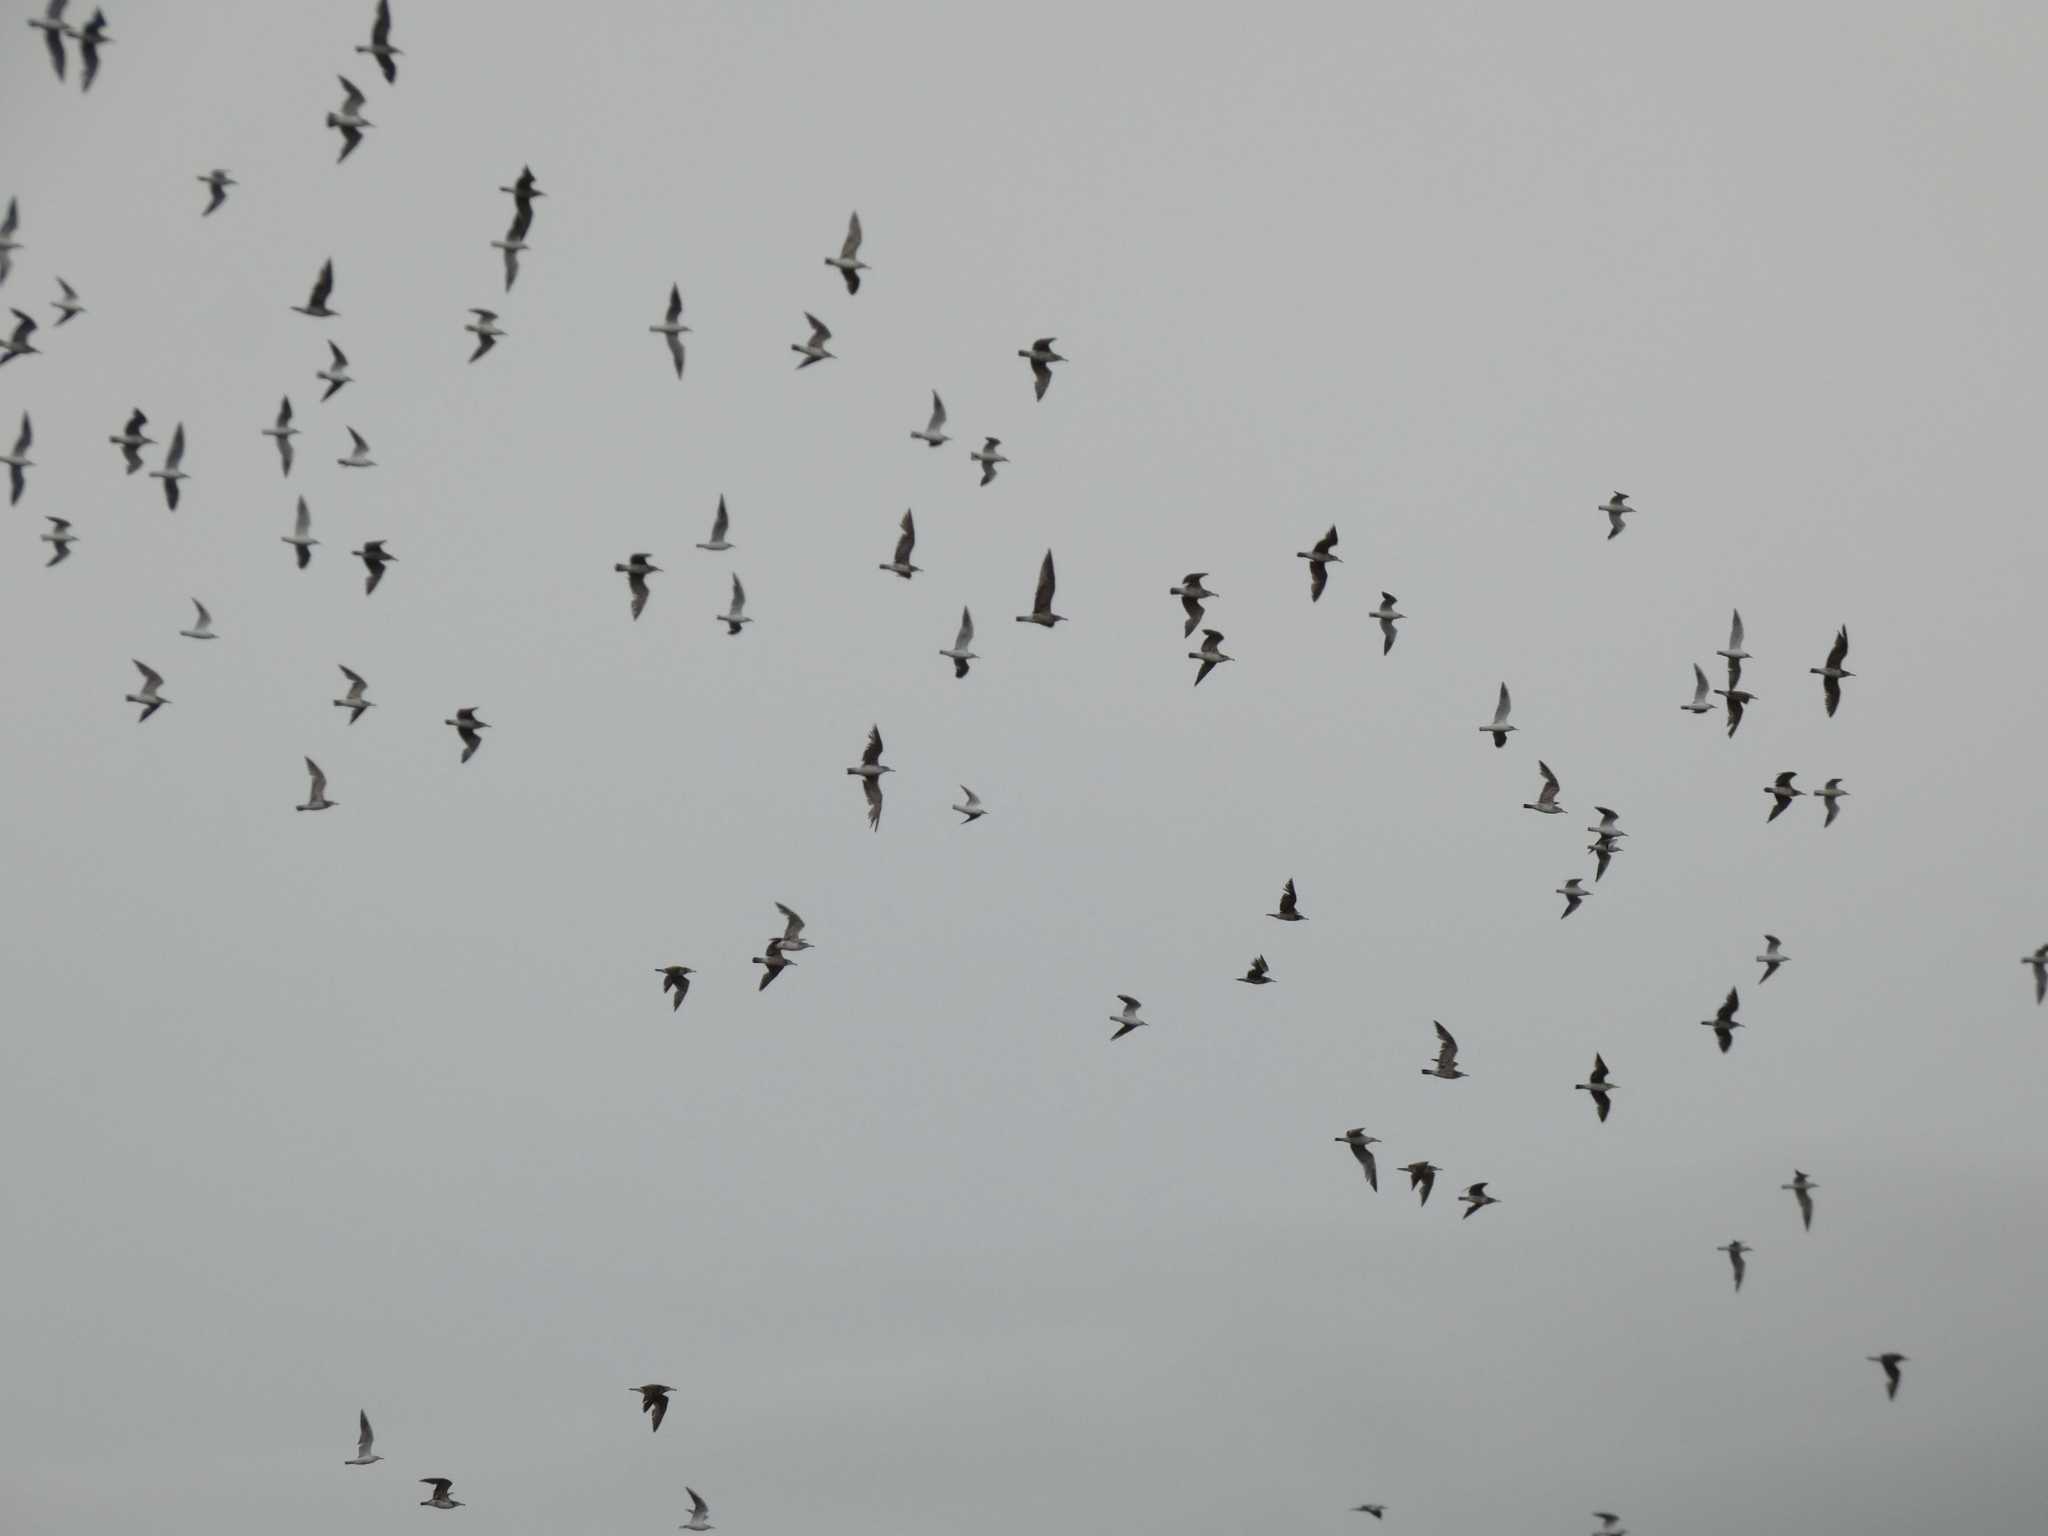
1290	909
1446	1057
1260	973
2038	960
1833	793
961	652
335	374
374	557
282	433
1599	1087
1699	704
1422	1176
91	38
1802	1191
467	726
720	522
1210	655
1735	1251
1377	1511
379	46
935	432
202	627
1041	357
440	1500
775	960
676	979
1041	612
1546	797
1191	592
1574	894
353	701
735	616
636	571
349	119
1737	699
316	301
1616	507
514	242
905	542
1500	727
848	260
792	938
1781	791
1607	831
1361	1148
1735	655
51	23
149	698
18	344
60	538
1128	1020
1603	850
1319	558
1771	958
813	351
485	329
364	1440
67	307
1476	1199
988	458
869	771
654	1398
671	328
301	537
217	183
971	808
1891	1363
525	189
8	244
131	440
700	1512
1610	1525
1724	1023
1386	615
359	455
316	797
173	473
18	462
1831	673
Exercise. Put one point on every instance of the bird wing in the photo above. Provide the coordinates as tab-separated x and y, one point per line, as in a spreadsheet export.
872	788
151	678
796	924
1042	601
907	541
365	1439
205	618
966	636
319	780
1726	1011
1735	632
302	520
675	304
1318	578
820	332
361	446
1840	651
1500	710
719	523
441	1485
322	286
851	247
739	598
1327	542
938	413
340	357
356	684
1699	684
873	755
355	98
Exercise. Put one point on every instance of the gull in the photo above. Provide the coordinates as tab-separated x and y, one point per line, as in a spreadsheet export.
353	701
1891	1361
19	345
349	119
1616	507
1041	612
676	979
1500	727
61	538
1599	1087
1771	958
720	522
869	771
1191	592
173	473
1260	974
1422	1176
1783	793
1724	1023
1610	1525
1361	1148
1736	698
316	797
636	570
792	931
935	433
1832	792
1735	1251
316	301
654	1398
1573	894
848	260
283	433
1386	615
467	726
1210	655
364	1440
53	29
987	457
970	809
1319	558
1128	1020
699	1511
2038	960
1446	1056
1041	357
776	962
218	182
905	542
379	46
515	242
960	654
149	698
91	38
672	327
301	537
1735	654
736	615
202	627
813	351
1607	831
524	190
1802	1191
374	557
1290	911
485	329
358	456
1476	1199
18	462
1830	674
440	1500
335	373
1699	704
1603	850
1546	797
1377	1511
131	440
67	307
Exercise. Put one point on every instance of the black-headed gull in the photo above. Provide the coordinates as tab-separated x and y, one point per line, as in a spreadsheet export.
1041	357
848	260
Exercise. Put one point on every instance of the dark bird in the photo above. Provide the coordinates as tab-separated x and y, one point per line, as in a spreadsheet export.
1737	700
1724	1023
1446	1056
1599	1087
1781	790
1259	975
1802	1191
1290	907
440	1500
218	182
51	23
91	38
1422	1176
654	1396
2039	961
1476	1199
379	46
676	979
374	557
776	961
468	727
1041	357
672	328
131	441
1891	1363
282	433
1832	673
1361	1148
636	571
1320	557
316	302
8	244
514	242
1616	507
349	119
25	326
1735	1251
18	462
1041	612
906	541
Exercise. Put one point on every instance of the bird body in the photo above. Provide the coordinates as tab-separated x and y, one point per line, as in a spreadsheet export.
68	308
1498	728
1386	616
202	627
323	288
1260	974
735	616
1573	893
1772	957
1735	1251
1361	1148
988	458
654	1400
1476	1199
672	328
353	701
1616	507
869	771
301	537
60	538
379	46
217	183
348	119
1724	1023
18	462
440	1500
282	432
1831	672
335	374
1781	791
1833	793
1802	1192
374	557
1891	1362
1699	704
1446	1057
1422	1176
1290	905
359	455
1191	592
131	440
485	329
1546	797
676	979
148	697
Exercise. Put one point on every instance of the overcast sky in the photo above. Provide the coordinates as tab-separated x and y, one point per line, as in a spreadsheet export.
383	1108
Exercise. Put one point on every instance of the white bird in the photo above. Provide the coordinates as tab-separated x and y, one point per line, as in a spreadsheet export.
18	462
316	301
1616	507
1833	793
149	698
173	473
1041	612
2038	960
869	771
813	351
1128	1020
636	571
68	306
736	615
1599	1087
364	1440
792	938
672	327
375	557
1546	797
335	374
720	522
1699	704
349	119
283	433
1446	1057
202	627
60	538
988	458
316	797
359	455
1771	958
301	537
379	46
1500	727
1210	655
1830	674
1573	894
960	654
1191	592
467	726
1041	357
1476	1199
971	808
440	1500
1320	557
1361	1144
700	1512
485	329
1386	615
1802	1191
1607	831
218	183
1735	1251
131	440
905	542
935	433
1735	654
353	701
848	260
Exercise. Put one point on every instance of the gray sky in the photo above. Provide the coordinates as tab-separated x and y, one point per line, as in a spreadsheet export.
383	1108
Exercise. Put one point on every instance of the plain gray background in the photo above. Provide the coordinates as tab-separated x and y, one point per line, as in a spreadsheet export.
383	1108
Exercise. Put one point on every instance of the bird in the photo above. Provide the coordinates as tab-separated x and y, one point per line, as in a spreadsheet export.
735	616
349	119
935	432
1377	1511
1361	1148
792	938
1616	507
1476	1199
60	538
173	473
1610	1525
1735	1251
2038	960
1802	1191
51	23
654	1398
18	462
1210	655
467	726
18	344
1260	973
1422	1176
1771	958
316	797
485	329
202	627
636	571
1446	1056
970	809
988	458
353	701
1573	894
1603	850
1290	909
1833	793
720	522
1500	727
1599	1087
149	698
1546	797
301	537
1724	1023
68	307
1736	698
1320	557
514	242
905	542
1830	672
1607	831
1041	612
335	374
1191	592
374	557
8	244
775	960
1041	357
960	654
525	189
218	183
813	351
1128	1020
848	260
282	433
1386	615
672	328
91	38
699	1512
323	288
131	440
1699	704
676	979
358	456
364	1440
869	771
1891	1361
1734	654
440	1500
1781	791
379	46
